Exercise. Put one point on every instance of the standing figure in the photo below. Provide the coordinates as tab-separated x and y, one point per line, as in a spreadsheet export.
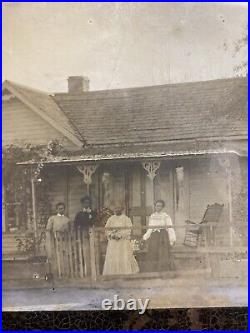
119	255
160	240
84	220
58	222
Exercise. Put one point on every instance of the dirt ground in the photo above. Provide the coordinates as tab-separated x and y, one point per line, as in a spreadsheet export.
162	293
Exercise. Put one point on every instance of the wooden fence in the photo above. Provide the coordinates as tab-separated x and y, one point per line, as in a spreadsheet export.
70	249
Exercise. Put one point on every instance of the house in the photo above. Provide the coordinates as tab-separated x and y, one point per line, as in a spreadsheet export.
184	143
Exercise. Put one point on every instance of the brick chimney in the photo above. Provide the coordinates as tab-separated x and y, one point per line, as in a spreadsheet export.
78	84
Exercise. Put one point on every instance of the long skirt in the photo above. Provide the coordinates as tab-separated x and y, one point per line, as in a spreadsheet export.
120	258
159	257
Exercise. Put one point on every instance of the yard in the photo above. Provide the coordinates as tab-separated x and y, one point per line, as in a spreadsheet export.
194	290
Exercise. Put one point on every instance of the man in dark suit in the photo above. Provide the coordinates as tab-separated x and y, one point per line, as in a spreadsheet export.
84	220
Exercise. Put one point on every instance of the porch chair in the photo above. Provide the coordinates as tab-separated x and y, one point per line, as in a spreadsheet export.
195	233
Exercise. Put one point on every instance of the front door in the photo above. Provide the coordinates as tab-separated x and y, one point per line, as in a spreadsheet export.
130	185
112	186
139	198
143	192
127	184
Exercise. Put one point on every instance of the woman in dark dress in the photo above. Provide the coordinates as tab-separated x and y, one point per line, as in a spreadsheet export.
160	239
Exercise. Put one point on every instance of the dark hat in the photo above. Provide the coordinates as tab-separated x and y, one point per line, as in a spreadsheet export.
86	198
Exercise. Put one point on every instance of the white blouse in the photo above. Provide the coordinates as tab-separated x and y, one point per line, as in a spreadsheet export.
163	221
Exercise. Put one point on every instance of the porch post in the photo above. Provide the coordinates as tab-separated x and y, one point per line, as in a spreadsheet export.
226	163
35	177
33	194
151	167
87	171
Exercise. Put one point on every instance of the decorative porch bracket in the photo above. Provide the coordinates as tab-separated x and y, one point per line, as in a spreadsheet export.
87	171
151	167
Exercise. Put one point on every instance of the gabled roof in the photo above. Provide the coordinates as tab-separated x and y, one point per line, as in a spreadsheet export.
44	105
173	118
209	109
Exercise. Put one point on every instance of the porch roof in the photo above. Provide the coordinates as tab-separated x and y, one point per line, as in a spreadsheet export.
139	152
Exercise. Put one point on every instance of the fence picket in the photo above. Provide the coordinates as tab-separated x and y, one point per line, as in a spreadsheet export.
61	253
81	262
65	254
71	273
58	256
97	252
92	253
75	252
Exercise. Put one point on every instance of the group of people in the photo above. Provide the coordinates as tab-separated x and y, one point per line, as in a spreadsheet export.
84	219
119	258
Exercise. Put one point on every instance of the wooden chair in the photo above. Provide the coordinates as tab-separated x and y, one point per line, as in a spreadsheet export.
195	233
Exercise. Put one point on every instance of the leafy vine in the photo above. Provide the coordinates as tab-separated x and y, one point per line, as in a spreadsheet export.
17	183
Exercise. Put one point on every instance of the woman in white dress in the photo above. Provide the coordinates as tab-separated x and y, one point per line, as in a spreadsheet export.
119	257
160	240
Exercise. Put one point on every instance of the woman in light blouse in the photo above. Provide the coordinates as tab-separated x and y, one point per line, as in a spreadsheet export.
160	240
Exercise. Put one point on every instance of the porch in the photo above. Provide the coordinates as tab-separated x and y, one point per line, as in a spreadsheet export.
187	185
207	259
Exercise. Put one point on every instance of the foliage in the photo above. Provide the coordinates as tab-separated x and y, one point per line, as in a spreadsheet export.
54	148
235	255
137	245
103	216
240	47
27	244
17	183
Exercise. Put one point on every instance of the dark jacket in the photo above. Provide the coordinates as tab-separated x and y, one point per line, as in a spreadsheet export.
85	220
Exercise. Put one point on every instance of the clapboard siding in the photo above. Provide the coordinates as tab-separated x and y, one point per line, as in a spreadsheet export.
9	244
67	186
77	189
58	188
21	124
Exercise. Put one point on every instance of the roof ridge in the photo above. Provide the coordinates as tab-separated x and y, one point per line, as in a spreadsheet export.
236	78
22	86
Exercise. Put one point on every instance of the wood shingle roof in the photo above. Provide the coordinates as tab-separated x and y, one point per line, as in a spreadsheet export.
172	118
208	109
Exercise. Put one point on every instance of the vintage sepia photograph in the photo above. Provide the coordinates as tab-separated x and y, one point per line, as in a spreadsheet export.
124	155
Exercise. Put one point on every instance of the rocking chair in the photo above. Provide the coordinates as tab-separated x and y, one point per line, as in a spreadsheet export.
195	232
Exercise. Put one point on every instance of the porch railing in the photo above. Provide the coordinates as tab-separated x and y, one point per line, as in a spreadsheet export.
76	256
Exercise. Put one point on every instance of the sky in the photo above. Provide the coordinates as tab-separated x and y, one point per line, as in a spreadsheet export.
118	45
